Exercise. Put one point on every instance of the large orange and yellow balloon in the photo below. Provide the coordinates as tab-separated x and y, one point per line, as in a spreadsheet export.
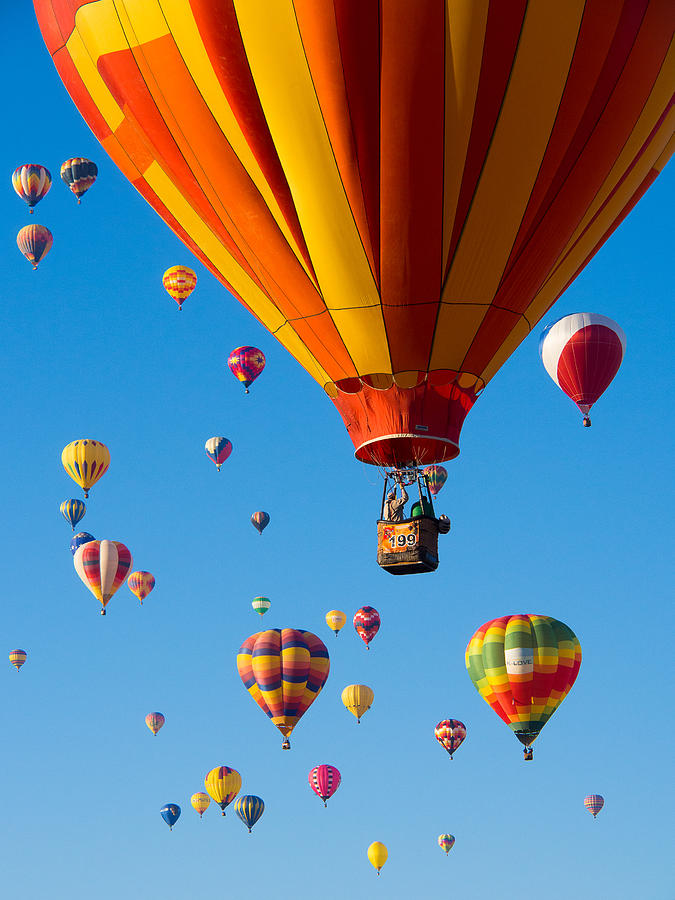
398	191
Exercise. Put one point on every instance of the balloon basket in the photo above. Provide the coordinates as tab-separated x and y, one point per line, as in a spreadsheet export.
409	547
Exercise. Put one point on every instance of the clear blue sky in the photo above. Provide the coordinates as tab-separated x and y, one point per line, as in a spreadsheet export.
547	517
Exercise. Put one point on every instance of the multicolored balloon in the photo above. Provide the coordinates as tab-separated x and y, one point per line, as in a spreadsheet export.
179	282
140	584
377	855
450	733
154	721
85	460
223	785
324	780
17	658
582	354
170	812
246	363
218	449
35	242
358	698
446	842
367	623
594	803
260	520
200	802
31	182
103	567
261	605
523	666
335	619
436	477
79	174
249	808
72	511
284	670
82	537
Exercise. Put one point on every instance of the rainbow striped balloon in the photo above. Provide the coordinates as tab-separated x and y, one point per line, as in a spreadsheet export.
446	842
594	803
17	658
31	182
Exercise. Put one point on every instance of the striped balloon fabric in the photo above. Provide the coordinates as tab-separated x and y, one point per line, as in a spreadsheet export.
324	780
79	174
31	182
450	733
260	520
179	282
72	511
594	803
246	363
218	450
367	624
140	584
249	808
17	658
261	605
35	242
103	567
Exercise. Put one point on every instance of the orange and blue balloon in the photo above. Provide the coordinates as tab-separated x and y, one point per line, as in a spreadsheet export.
154	721
140	584
367	623
72	511
450	733
324	780
31	182
79	174
218	449
82	537
17	658
260	520
249	808
35	242
246	364
170	812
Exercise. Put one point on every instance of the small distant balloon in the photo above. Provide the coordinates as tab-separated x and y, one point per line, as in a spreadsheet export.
594	803
249	809
358	698
260	520
377	855
324	780
218	449
200	802
154	721
179	282
246	363
446	842
31	182
140	584
450	733
261	605
171	814
35	242
223	784
82	537
102	566
17	658
79	174
85	460
367	623
335	619
72	511
436	478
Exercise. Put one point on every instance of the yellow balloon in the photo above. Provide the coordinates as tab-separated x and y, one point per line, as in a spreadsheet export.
223	784
335	619
201	802
358	698
85	460
377	854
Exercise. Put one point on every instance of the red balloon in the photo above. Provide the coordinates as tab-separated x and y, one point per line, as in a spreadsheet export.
324	780
367	623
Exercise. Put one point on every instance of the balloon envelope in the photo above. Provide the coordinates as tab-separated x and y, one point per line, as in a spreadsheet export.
31	182
367	623
436	477
102	567
72	511
154	721
82	537
450	733
140	584
79	174
335	619
249	808
17	658
446	842
260	520
261	605
377	855
594	803
246	363
358	698
35	242
324	780
200	802
85	460
170	812
218	449
223	784
179	282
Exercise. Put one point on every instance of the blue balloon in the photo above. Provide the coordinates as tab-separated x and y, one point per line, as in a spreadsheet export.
72	511
82	537
170	812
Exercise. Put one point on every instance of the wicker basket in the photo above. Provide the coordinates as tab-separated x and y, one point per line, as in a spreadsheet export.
409	547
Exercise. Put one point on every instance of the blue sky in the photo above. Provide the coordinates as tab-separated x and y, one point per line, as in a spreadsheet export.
547	517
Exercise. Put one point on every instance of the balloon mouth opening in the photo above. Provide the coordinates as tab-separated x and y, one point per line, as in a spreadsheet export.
406	450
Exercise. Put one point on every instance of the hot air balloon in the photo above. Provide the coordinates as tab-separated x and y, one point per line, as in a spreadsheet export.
85	460
82	537
200	802
582	354
377	855
284	670
446	842
398	191
223	785
170	812
79	174
324	780
218	449
450	733
358	698
154	721
367	624
246	363
260	520
436	477
261	605
249	809
72	511
523	666
179	282
31	182
17	658
335	619
35	242
141	583
102	566
594	803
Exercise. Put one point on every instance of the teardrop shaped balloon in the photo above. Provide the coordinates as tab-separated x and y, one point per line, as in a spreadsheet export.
335	619
17	658
249	808
324	780
170	812
367	624
398	191
103	567
523	666
85	460
450	733
446	842
200	802
154	721
72	511
31	182
179	282
284	670
436	477
594	803
223	784
218	449
35	242
140	584
582	353
260	520
82	537
358	698
79	174
261	605
377	855
246	363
